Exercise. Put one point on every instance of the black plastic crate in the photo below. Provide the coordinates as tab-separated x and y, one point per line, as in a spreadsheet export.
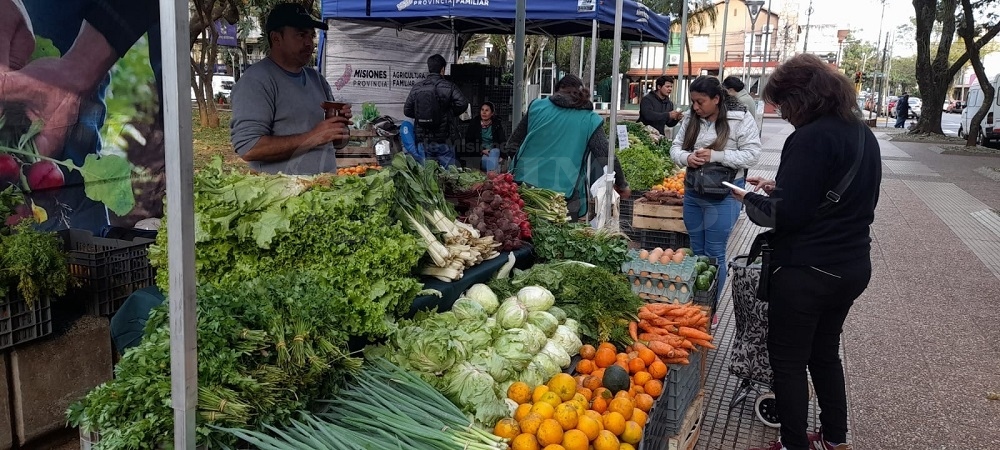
679	389
20	324
649	239
107	270
707	298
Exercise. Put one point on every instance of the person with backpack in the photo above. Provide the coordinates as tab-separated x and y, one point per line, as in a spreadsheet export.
434	104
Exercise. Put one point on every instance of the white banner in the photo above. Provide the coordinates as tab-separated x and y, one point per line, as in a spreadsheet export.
380	65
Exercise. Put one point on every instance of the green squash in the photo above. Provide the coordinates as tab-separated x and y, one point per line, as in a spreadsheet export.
616	379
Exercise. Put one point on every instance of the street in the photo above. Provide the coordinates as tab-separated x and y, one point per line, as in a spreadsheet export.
950	123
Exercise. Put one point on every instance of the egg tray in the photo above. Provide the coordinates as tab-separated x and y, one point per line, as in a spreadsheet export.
672	291
680	272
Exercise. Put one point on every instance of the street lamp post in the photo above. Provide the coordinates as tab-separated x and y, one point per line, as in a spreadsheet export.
753	7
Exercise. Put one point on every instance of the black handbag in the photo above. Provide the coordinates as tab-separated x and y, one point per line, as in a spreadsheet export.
706	181
761	246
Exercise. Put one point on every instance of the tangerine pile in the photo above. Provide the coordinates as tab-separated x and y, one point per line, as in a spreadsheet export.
357	170
673	183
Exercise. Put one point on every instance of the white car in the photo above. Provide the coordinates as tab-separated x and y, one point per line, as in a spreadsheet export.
221	84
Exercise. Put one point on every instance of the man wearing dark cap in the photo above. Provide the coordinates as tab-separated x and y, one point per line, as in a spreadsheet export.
279	124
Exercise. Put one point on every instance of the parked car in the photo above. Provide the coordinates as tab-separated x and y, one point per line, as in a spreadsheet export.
915	106
890	105
954	106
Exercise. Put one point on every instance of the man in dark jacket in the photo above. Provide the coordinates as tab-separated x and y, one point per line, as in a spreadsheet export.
656	109
434	105
902	109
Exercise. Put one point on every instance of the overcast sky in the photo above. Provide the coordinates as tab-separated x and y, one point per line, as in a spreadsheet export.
862	16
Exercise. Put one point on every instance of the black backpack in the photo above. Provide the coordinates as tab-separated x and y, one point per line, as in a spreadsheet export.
428	108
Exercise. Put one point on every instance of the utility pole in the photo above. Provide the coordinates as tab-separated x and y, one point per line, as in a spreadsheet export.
767	47
722	52
881	85
809	14
680	67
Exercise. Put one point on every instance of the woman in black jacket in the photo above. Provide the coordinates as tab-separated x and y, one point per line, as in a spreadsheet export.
483	140
821	249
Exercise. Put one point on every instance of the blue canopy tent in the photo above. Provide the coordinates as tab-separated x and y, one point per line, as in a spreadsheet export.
549	17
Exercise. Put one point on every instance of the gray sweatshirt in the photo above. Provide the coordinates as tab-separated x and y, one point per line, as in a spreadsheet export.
269	101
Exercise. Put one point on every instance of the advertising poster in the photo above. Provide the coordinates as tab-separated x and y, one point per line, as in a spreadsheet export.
379	65
81	131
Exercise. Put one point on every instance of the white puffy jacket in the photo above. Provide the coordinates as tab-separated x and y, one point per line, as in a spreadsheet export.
742	149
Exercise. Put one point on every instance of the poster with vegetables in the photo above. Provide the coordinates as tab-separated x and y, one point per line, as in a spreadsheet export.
81	140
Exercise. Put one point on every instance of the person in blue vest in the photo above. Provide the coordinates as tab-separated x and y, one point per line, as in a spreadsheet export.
554	141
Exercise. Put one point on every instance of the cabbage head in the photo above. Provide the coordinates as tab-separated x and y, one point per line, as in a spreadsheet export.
558	313
511	313
473	337
567	340
472	388
482	294
466	310
536	336
536	298
499	368
434	351
517	346
556	353
544	321
545	366
573	325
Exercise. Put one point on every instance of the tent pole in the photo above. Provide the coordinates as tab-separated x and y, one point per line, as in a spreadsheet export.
581	57
180	219
722	51
680	65
616	84
593	59
518	63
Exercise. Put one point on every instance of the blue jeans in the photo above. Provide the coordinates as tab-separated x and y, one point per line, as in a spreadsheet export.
901	119
709	223
491	162
444	154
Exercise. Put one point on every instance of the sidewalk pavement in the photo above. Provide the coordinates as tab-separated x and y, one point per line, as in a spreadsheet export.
921	347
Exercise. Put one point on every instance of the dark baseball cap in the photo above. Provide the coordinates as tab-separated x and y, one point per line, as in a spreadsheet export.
291	15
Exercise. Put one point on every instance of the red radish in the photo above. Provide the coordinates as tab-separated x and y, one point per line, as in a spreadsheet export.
10	169
45	175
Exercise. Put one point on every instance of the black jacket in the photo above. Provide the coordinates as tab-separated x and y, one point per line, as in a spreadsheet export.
655	112
813	161
474	138
452	101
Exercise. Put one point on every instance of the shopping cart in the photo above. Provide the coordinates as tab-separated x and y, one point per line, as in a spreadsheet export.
748	357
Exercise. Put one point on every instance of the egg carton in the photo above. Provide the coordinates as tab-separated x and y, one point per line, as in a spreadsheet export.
662	291
683	271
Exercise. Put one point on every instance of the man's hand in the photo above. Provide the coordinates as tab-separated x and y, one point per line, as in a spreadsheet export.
676	115
761	183
16	40
45	87
333	129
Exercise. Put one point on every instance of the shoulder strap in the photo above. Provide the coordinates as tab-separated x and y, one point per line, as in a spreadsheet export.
833	196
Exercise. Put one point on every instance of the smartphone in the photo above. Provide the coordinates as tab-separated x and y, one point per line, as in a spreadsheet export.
734	187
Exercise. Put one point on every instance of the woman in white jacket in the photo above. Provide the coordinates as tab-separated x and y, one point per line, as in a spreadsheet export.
717	129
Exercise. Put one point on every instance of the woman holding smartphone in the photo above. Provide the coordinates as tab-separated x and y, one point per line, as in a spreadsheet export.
717	130
820	248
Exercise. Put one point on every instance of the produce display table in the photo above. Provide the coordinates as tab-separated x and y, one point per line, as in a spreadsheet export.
481	273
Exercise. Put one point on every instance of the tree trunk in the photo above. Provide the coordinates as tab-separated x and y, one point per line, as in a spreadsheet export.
574	56
588	65
966	32
933	77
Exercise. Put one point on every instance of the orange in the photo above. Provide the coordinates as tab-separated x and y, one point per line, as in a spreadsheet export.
519	392
599	374
640	378
580	379
658	370
604	357
554	447
632	433
540	390
599	404
646	355
644	402
604	393
614	422
592	382
575	440
640	417
531	423
596	416
522	411
585	392
636	365
524	441
587	351
589	427
507	428
564	385
585	366
567	415
550	432
544	409
608	346
622	357
654	388
625	446
622	406
623	363
606	440
551	398
623	394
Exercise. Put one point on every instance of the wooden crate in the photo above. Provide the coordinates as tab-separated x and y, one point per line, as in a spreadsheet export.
689	432
651	216
361	149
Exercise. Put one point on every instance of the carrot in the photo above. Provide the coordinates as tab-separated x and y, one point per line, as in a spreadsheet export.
661	322
675	313
633	329
686	344
681	353
689	332
703	343
677	361
638	345
649	337
650	328
662	349
647	315
660	308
